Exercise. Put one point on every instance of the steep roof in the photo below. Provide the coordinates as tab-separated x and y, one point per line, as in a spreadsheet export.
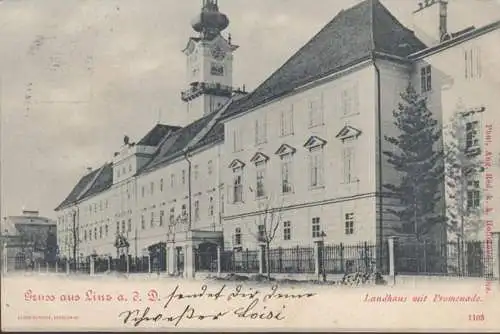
153	137
173	146
354	35
92	183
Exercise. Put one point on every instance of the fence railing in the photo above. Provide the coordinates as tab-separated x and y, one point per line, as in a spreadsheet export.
240	261
291	260
467	258
350	258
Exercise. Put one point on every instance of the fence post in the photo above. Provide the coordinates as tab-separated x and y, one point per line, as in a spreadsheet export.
261	259
109	263
342	269
316	258
496	255
392	259
149	264
47	267
5	258
67	267
92	266
57	266
218	261
128	265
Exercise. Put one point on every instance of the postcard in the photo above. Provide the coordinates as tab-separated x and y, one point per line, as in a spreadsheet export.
250	165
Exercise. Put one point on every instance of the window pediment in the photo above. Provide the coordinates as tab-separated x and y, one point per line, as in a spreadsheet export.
236	163
259	157
285	149
314	141
348	132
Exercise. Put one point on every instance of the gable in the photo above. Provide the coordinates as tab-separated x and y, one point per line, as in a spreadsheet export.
285	149
314	141
259	157
236	163
348	132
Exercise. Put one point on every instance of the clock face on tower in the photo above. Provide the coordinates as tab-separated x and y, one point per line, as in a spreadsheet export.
218	53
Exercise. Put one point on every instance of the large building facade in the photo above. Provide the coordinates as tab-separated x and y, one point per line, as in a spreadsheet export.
303	150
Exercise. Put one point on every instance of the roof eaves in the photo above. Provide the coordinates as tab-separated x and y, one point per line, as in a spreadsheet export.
455	41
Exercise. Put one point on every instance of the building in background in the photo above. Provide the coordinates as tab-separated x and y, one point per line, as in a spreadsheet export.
28	238
304	148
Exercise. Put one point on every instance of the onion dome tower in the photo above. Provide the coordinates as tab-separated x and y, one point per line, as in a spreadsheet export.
209	76
210	22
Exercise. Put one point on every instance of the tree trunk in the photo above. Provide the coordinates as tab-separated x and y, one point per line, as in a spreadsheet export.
268	262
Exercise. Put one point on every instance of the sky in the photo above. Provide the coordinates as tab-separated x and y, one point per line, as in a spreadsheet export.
78	75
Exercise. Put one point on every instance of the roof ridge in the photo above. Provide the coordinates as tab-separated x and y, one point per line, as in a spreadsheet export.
297	53
90	184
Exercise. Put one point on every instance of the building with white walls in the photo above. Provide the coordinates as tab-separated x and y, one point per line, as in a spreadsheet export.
307	143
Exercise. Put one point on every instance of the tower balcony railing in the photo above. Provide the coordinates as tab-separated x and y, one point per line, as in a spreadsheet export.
199	88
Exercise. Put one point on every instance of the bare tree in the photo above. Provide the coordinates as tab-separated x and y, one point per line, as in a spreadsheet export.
268	223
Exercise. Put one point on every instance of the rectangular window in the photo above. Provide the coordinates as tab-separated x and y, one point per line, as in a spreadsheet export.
195	172
172	216
117	227
196	210
349	223
349	100
237	189
261	232
316	167
161	185
143	191
471	135
287	230
237	143
473	193
100	232
143	222
129	229
316	112
90	235
286	122
162	214
85	235
316	228
237	236
152	222
123	226
210	167
183	176
260	130
152	188
211	207
106	230
286	173
172	180
473	65
261	174
95	233
348	163
426	79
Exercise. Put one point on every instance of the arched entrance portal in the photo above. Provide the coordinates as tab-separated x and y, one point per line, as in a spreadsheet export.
206	257
157	252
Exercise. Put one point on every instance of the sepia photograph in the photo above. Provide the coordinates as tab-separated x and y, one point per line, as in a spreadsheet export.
278	165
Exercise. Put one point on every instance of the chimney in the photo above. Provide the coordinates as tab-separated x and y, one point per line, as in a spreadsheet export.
430	21
443	20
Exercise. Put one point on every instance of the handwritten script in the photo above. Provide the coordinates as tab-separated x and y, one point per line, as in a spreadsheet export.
238	302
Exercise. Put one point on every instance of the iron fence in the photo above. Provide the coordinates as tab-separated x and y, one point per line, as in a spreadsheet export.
291	260
205	261
466	258
349	258
240	261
